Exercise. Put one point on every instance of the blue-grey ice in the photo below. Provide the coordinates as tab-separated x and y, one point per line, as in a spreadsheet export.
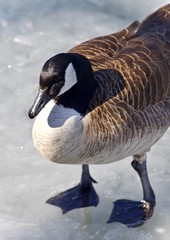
31	32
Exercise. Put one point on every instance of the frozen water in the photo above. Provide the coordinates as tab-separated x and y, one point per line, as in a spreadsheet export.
31	32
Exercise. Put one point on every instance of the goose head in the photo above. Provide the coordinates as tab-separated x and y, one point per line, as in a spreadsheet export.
58	77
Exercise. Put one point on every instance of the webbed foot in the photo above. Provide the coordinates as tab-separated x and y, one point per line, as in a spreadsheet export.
135	213
131	213
81	196
76	197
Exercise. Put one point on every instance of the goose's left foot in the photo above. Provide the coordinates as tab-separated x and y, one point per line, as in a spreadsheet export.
134	213
131	213
80	196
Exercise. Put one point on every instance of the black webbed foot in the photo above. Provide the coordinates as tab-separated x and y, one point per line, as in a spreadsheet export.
134	213
81	196
131	213
76	197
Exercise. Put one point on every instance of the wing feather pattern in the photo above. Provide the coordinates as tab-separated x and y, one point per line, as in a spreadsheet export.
132	101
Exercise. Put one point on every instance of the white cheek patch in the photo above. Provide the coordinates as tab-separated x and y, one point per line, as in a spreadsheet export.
70	79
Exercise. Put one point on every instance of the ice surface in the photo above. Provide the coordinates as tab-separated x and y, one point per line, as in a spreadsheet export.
31	32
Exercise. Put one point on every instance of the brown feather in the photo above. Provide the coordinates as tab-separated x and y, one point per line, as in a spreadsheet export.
130	108
132	68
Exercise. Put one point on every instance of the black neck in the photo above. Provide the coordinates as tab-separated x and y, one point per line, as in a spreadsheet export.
79	96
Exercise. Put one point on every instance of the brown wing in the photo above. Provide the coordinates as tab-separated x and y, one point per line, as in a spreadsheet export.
138	74
99	49
130	109
144	62
138	113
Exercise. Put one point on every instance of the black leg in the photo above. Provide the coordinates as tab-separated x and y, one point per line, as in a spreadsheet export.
149	201
134	213
80	196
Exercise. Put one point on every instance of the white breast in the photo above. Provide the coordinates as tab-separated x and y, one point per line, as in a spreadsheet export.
63	136
56	132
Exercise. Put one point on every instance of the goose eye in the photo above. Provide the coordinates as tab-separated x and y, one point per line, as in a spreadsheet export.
55	89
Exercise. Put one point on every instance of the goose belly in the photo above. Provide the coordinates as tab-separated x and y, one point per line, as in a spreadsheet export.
134	134
73	140
119	150
61	146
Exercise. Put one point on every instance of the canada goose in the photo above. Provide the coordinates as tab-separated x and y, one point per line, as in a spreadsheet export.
102	101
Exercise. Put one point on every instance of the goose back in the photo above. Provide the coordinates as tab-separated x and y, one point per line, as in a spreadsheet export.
130	109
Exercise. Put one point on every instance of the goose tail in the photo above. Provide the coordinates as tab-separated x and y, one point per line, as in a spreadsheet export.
157	23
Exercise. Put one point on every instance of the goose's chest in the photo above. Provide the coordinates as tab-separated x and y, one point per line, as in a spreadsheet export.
55	131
